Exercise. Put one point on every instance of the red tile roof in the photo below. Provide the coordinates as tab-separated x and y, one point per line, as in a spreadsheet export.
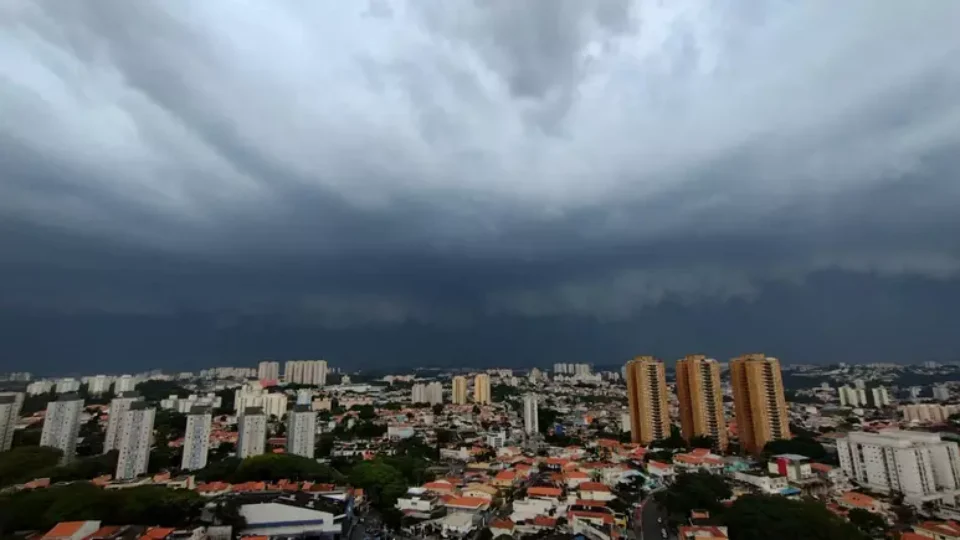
65	529
542	491
502	524
594	486
944	528
157	533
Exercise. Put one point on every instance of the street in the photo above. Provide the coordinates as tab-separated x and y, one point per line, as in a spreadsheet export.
647	527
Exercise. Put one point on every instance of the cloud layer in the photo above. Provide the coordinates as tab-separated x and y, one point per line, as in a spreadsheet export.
387	162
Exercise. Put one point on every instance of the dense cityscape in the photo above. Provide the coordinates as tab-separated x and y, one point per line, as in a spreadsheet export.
696	449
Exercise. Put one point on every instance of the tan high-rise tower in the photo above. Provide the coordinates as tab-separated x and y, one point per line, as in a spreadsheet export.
701	399
481	389
647	396
759	404
458	393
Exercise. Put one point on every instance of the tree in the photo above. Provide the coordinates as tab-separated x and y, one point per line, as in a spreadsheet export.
694	491
761	517
546	419
382	482
26	463
803	446
702	441
871	524
438	409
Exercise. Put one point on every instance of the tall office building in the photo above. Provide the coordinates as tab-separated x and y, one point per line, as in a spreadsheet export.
268	370
251	432
647	397
458	390
531	424
196	441
118	411
301	431
759	404
917	464
701	399
61	425
10	405
136	436
481	389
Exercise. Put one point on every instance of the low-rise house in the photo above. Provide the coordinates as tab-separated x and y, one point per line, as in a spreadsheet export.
420	503
765	482
595	491
852	499
465	504
699	459
502	527
702	532
938	530
71	530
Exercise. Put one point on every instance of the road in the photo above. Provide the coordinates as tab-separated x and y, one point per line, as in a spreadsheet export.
647	527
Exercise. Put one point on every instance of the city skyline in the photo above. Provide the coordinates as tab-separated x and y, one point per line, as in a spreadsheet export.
625	176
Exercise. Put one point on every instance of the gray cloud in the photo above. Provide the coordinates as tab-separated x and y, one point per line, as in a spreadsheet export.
389	162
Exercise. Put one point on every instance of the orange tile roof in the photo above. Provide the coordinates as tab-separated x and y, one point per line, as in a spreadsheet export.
944	528
859	500
502	524
702	533
576	475
913	536
104	532
657	464
438	486
64	529
821	467
508	476
543	491
545	521
467	502
594	486
157	533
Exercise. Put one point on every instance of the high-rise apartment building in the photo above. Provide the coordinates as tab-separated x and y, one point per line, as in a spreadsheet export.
701	400
118	414
124	383
301	431
312	372
251	432
196	440
531	423
10	405
136	436
268	370
481	389
535	376
61	425
431	393
647	398
917	464
253	395
759	403
941	392
458	390
98	384
68	385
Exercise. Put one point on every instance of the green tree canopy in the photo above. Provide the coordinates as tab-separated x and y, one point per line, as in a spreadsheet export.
43	508
26	463
804	446
762	517
694	491
383	482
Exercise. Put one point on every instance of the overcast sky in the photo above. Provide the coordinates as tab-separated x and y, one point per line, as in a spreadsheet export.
494	182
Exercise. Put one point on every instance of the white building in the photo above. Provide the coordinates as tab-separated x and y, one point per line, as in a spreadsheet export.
531	423
252	395
196	441
852	397
185	405
294	516
61	425
581	370
431	393
10	405
301	431
39	387
65	386
920	465
312	372
268	371
118	414
880	397
136	436
251	432
928	413
125	383
941	392
98	384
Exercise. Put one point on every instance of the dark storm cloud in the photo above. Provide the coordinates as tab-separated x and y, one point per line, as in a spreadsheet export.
441	163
